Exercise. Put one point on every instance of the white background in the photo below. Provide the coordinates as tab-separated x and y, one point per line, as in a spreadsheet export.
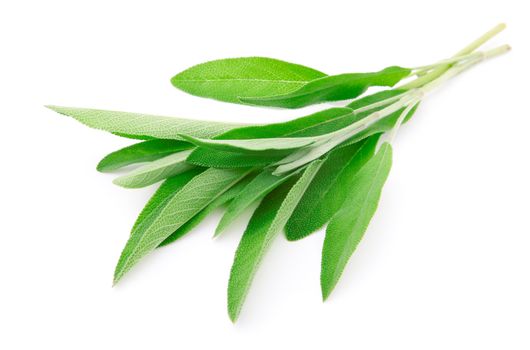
444	265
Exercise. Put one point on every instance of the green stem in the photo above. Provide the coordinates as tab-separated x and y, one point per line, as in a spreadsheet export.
422	70
458	68
438	71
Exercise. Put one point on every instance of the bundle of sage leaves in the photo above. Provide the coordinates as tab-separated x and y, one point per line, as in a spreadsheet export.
324	168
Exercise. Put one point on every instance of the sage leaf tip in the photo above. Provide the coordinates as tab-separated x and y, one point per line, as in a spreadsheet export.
120	181
220	228
102	166
233	315
175	81
58	109
326	291
117	276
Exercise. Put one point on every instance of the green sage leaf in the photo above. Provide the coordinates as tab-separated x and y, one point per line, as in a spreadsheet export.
144	125
347	227
267	221
382	125
141	152
224	198
155	171
329	189
222	159
305	155
321	122
179	209
315	124
269	145
228	79
166	190
331	88
255	190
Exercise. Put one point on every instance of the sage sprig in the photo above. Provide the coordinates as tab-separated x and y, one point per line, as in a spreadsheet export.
328	167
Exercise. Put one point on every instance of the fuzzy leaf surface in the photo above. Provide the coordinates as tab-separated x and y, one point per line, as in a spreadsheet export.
348	226
262	184
141	152
222	159
267	221
196	195
315	124
197	219
166	190
332	88
144	125
155	171
330	187
268	145
231	78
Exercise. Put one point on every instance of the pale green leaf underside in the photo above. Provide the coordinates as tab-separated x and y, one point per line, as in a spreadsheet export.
135	124
268	220
141	152
179	209
228	79
348	226
253	145
155	171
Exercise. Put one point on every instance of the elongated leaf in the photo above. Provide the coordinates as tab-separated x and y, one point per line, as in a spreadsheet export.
144	125
255	190
222	159
328	190
315	124
332	88
166	190
269	145
155	171
300	135
219	201
347	227
141	152
228	79
265	224
179	209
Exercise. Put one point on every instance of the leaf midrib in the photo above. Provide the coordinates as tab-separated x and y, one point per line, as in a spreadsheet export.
228	80
294	94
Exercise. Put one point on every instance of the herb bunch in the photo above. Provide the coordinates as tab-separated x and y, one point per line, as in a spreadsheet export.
325	168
